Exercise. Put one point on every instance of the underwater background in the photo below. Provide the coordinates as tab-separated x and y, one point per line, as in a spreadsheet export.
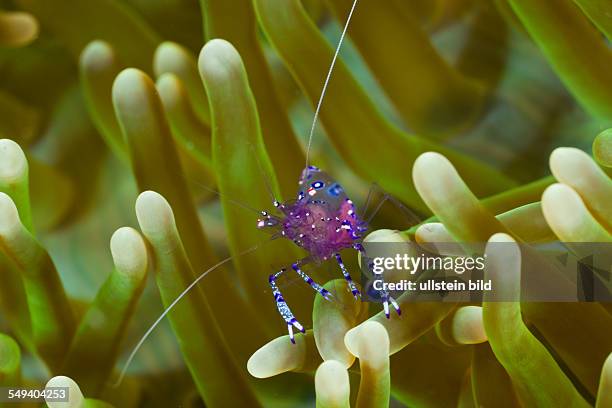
137	137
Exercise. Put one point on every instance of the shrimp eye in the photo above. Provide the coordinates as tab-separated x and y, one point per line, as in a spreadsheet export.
317	185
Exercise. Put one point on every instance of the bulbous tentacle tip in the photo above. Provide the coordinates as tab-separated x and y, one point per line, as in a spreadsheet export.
9	216
467	326
129	81
428	160
129	252
354	337
280	356
332	384
171	57
75	396
18	29
97	55
218	59
154	213
13	163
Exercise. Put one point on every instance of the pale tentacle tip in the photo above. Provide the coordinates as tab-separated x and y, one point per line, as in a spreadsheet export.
353	337
468	326
13	163
75	396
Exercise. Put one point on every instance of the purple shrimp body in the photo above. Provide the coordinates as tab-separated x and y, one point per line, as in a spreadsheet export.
323	221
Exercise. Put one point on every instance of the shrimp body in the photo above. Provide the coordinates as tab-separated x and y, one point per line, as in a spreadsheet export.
323	221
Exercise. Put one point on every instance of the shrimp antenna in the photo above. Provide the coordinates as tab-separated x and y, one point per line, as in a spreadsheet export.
171	306
263	175
329	72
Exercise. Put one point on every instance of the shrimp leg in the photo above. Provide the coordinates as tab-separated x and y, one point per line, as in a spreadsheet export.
348	278
324	292
384	295
282	306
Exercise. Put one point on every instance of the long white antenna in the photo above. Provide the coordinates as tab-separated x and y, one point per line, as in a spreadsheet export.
331	69
169	308
199	278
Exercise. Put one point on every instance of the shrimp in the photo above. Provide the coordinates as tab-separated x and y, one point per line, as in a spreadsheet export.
323	221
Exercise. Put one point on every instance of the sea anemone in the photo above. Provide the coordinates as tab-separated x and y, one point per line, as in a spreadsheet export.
180	118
